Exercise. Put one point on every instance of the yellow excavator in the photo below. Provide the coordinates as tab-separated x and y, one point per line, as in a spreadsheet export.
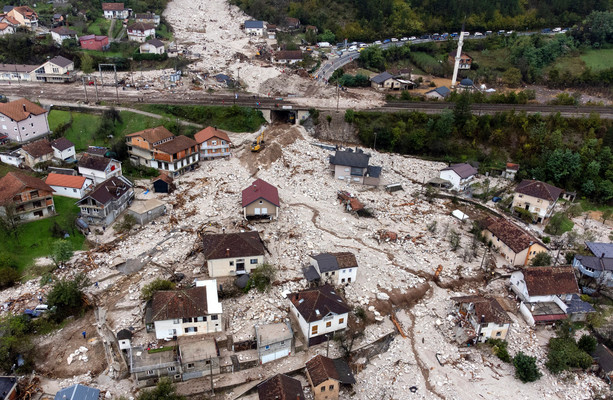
258	143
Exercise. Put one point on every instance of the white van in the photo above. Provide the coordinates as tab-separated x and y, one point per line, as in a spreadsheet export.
324	44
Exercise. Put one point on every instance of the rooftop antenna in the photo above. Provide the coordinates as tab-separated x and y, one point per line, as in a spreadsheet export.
458	56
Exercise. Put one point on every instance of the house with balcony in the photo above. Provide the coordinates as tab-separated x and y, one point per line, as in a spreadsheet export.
539	198
98	169
214	143
514	244
140	32
353	167
185	312
479	318
24	16
320	313
334	268
115	11
230	254
596	267
31	197
147	18
57	70
23	121
62	33
104	204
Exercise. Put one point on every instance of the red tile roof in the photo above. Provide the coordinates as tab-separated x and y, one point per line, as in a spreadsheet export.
210	132
165	178
14	183
538	189
510	234
153	135
174	304
281	387
260	189
544	281
230	245
315	304
514	167
112	6
71	181
322	368
20	109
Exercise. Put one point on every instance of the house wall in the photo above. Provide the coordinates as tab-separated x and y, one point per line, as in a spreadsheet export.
101	176
525	312
337	322
64	154
15	160
140	36
57	38
201	368
149	216
457	182
434	95
70	192
521	258
116	14
148	48
32	161
98	214
542	208
29	129
148	375
51	68
15	76
494	331
124	344
304	326
602	277
93	44
254	31
9	30
227	266
213	148
326	390
275	347
169	328
343	172
177	167
32	204
256	208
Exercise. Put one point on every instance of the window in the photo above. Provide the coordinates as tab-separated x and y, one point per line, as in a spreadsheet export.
261	202
150	372
201	319
231	263
214	142
323	388
314	330
343	280
214	317
172	369
74	190
331	387
187	320
349	269
253	261
498	333
328	324
190	365
192	329
341	320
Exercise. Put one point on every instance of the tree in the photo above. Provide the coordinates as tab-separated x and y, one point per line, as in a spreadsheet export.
525	368
8	277
61	252
164	390
541	260
606	214
87	63
587	343
262	277
512	77
462	111
66	296
327	36
149	289
10	221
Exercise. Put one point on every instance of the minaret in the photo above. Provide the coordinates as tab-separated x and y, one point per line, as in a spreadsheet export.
458	56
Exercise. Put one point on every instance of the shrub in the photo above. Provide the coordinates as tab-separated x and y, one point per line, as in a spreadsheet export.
262	277
564	353
546	239
159	284
525	368
541	260
499	347
587	343
66	296
8	277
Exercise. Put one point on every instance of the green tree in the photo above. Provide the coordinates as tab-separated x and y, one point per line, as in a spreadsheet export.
149	289
10	222
327	36
8	277
164	390
61	252
349	116
525	368
462	110
587	343
87	63
262	277
606	215
541	260
512	77
66	296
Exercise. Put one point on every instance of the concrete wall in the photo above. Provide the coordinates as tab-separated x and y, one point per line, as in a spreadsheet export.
222	267
149	216
64	154
342	172
327	390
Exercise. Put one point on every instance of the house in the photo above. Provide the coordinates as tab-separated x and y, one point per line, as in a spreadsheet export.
255	28
147	366
58	19
63	149
544	292
271	31
510	171
229	254
124	338
6	29
213	143
8	387
539	198
460	175
385	80
16	72
69	185
199	357
23	121
152	46
326	376
515	245
37	152
115	10
163	184
334	268
106	201
465	60
24	16
292	23
98	151
353	167
598	265
439	93
14	158
78	392
94	42
98	169
57	70
288	56
603	357
320	312
147	18
274	341
480	318
193	311
62	33
158	148
139	32
281	387
145	211
31	197
260	200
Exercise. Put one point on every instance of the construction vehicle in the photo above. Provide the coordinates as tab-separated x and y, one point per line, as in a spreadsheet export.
258	143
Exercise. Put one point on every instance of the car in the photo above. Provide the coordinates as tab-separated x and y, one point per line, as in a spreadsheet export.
387	41
425	37
556	30
363	45
510	32
501	32
412	38
394	39
546	30
478	34
466	34
339	45
353	48
404	39
487	33
496	199
377	42
454	34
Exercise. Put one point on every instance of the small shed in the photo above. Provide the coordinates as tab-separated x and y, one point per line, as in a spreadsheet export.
124	337
163	184
146	211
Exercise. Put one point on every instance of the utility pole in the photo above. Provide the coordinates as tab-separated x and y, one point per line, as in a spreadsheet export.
337	96
85	88
328	345
211	375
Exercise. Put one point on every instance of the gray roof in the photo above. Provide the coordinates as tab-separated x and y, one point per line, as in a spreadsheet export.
61	61
330	261
254	24
374	171
156	42
466	82
443	91
350	159
344	372
596	263
463	170
310	274
381	77
78	392
7	9
576	305
17	68
604	358
600	249
124	334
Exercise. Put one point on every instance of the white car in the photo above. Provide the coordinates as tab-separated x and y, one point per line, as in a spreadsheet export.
353	48
478	34
556	30
413	38
404	39
466	34
363	45
378	42
394	39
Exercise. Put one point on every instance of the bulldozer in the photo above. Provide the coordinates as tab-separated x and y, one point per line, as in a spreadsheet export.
258	143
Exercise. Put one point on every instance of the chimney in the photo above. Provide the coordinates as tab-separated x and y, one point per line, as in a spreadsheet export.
24	108
482	319
227	252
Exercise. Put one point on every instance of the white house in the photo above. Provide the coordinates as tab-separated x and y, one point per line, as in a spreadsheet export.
22	121
139	32
334	268
438	93
17	72
152	46
481	318
57	70
115	10
320	312
98	169
69	185
185	312
460	175
255	28
230	254
539	198
14	158
6	29
63	149
62	33
124	338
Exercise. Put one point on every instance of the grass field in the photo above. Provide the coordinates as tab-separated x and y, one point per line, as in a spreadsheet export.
494	59
35	238
598	60
100	26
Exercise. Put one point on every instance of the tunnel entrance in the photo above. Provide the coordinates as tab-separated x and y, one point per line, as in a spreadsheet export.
283	116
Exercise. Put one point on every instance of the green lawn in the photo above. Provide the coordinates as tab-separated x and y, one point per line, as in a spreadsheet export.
100	26
103	53
163	33
35	238
598	60
574	65
494	59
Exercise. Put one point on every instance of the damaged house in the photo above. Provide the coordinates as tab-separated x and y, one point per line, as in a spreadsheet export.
326	376
479	319
334	268
106	201
598	265
229	254
353	167
281	387
515	245
274	341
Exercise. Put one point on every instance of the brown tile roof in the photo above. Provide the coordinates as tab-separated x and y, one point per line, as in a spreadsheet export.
281	387
510	234
71	181
210	132
15	182
140	26
110	190
243	244
514	167
25	11
544	281
11	20
165	178
38	148
488	307
538	189
322	368
3	26
315	304
61	144
94	162
174	304
153	135
179	143
20	109
260	189
112	6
